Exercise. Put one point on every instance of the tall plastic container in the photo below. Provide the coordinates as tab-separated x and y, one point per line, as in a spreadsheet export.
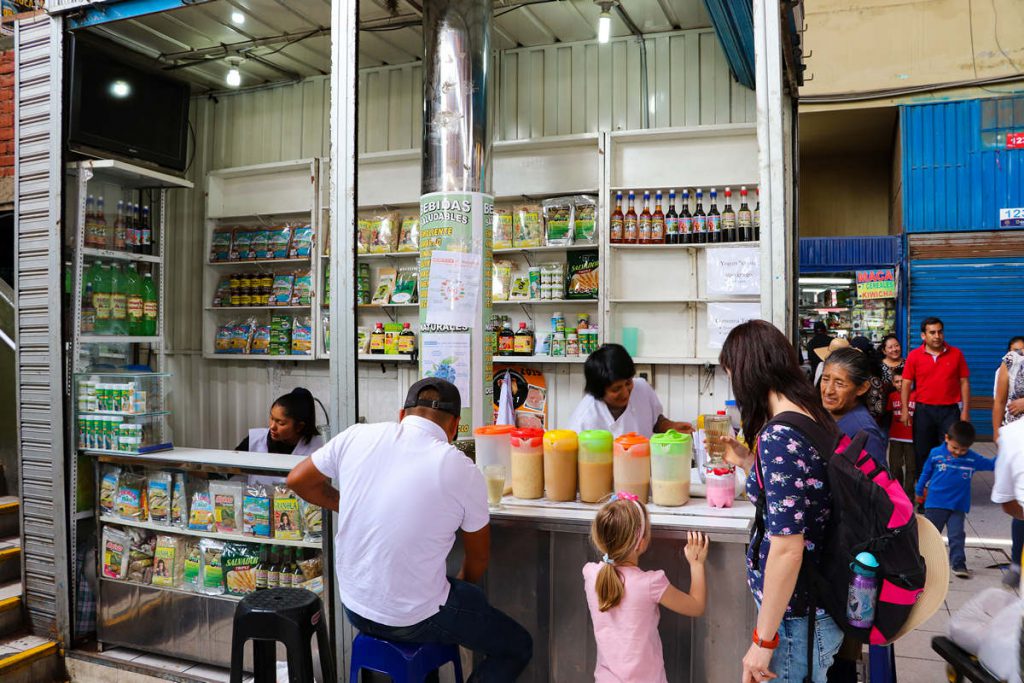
118	301
133	299
595	465
631	465
719	476
560	450
150	305
494	447
527	455
671	459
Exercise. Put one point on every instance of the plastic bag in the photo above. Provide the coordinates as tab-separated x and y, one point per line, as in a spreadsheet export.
405	286
280	241
241	336
582	275
212	573
364	235
241	245
385	233
585	219
312	568
115	552
302	289
192	567
220	246
312	521
287	525
240	561
409	239
256	511
222	340
501	281
110	482
200	517
130	497
168	560
179	503
501	229
558	220
158	496
385	285
260	340
302	242
302	336
1001	645
529	229
260	246
227	506
140	558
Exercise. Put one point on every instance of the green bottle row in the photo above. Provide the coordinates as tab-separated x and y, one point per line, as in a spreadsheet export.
118	300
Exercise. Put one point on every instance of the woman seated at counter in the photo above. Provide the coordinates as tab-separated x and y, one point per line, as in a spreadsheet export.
292	429
617	400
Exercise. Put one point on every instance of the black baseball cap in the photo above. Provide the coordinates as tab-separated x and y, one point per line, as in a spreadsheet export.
449	402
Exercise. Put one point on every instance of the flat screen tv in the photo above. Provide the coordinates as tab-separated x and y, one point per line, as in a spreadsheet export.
125	110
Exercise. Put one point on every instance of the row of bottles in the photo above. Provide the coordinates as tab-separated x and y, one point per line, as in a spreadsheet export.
118	300
390	342
132	230
522	342
683	226
278	570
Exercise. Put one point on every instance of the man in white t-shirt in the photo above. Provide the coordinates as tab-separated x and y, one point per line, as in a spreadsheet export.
403	493
1008	489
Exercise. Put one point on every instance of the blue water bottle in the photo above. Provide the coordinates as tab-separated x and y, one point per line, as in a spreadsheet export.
860	601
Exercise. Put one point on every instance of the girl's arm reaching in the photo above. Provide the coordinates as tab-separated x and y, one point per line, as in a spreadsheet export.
690	604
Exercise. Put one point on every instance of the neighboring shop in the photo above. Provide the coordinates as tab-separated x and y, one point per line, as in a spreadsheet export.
852	285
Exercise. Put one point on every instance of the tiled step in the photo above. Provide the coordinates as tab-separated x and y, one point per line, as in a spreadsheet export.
11	612
10	558
10	524
29	659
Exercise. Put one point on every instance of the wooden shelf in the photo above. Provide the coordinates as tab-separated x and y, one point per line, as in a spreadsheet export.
167	528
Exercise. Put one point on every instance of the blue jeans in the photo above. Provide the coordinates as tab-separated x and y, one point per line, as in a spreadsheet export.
466	619
789	662
957	537
1017	534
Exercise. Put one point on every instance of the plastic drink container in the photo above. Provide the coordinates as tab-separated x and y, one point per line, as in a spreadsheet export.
671	458
494	447
860	602
632	465
720	484
560	447
527	454
595	465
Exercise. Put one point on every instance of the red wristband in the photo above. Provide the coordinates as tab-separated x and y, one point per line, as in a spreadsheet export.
766	644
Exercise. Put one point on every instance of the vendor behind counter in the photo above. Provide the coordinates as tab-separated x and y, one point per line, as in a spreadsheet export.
292	429
617	400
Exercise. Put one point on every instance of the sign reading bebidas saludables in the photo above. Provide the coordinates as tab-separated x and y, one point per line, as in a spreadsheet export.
455	297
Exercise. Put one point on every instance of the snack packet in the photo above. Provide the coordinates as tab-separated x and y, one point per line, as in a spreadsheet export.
110	482
385	285
179	503
302	242
409	238
501	281
520	288
192	567
212	572
140	558
260	340
582	275
130	497
256	511
529	230
281	294
385	233
225	333
302	336
168	560
158	496
220	245
227	506
222	296
501	229
312	567
364	235
200	517
302	289
241	245
260	246
287	525
116	550
280	241
405	286
312	521
241	336
558	220
240	561
585	219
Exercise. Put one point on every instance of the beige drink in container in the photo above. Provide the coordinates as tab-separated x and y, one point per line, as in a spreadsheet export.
560	448
631	465
494	447
671	458
595	465
527	454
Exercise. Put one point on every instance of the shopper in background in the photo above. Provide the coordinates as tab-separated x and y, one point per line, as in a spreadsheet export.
292	429
845	382
617	400
767	382
879	390
902	463
938	373
824	353
1007	407
892	357
820	340
945	488
403	493
1008	489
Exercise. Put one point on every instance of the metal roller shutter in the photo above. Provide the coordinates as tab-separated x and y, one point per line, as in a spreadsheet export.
974	283
40	406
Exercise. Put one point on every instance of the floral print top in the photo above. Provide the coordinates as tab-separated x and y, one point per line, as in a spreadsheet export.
1014	362
798	500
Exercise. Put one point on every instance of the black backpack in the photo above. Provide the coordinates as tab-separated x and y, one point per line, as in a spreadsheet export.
870	512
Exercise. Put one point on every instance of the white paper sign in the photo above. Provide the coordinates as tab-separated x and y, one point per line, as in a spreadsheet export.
733	271
447	356
454	288
723	317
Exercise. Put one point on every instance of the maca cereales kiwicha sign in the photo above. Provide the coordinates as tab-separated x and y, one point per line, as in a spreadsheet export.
876	284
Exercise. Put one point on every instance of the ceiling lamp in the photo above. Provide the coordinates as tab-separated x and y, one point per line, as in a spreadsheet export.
234	77
237	18
604	22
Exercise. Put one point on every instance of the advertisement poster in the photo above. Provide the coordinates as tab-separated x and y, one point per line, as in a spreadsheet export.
876	284
529	394
455	298
723	317
733	271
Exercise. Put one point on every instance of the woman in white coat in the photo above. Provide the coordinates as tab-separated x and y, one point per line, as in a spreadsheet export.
292	429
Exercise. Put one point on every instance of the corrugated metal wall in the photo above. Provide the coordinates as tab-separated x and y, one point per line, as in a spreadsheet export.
957	173
831	254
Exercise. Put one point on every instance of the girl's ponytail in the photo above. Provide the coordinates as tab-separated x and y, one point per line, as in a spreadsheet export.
609	586
618	530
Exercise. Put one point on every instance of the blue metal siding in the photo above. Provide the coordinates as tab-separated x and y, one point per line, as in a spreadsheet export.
952	182
980	301
734	26
834	254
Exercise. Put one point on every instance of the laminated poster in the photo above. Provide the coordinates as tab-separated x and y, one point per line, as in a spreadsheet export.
723	317
529	394
447	355
454	288
733	271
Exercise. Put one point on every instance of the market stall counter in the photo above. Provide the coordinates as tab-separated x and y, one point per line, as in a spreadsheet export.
539	548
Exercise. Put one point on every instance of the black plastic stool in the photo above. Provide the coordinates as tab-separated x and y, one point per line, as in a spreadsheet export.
288	615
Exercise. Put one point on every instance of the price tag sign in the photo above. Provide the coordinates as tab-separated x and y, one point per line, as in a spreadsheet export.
1015	140
1011	218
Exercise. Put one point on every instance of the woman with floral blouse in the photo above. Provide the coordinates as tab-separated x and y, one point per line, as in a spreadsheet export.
791	431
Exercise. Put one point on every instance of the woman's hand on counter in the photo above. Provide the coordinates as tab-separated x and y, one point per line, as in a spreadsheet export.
664	424
735	452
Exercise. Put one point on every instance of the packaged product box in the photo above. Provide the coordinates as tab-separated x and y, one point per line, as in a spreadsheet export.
558	220
502	229
391	332
409	237
581	278
529	227
280	241
302	242
220	245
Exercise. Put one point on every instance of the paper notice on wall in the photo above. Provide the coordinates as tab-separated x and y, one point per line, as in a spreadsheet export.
733	271
447	356
723	317
454	289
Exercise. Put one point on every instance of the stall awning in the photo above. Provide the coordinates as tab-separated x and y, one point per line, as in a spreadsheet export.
734	25
834	254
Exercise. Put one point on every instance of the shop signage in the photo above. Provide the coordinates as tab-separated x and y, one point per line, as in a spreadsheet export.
723	317
876	284
1011	218
733	271
1015	140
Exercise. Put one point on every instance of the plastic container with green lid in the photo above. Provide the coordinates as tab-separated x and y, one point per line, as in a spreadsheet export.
671	460
595	465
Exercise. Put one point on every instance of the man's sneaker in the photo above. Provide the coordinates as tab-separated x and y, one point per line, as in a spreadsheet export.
962	571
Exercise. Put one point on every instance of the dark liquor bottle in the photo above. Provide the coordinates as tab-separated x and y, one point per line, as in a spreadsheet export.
686	235
714	219
700	220
671	220
728	219
744	218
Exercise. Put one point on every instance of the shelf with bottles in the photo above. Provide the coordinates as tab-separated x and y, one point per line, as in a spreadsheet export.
125	230
387	340
545	302
688	226
264	290
118	300
127	434
562	337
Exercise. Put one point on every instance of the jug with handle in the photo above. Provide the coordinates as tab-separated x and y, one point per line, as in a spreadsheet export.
560	446
595	465
631	465
671	458
527	453
494	447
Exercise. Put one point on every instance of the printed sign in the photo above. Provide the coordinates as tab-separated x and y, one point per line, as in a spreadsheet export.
1015	140
876	284
723	317
733	271
529	394
1011	218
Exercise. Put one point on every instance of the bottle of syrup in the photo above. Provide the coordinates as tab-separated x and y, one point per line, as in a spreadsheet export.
524	341
728	219
377	339
714	219
671	220
615	233
686	235
406	341
757	215
657	221
700	220
644	224
744	218
629	225
506	341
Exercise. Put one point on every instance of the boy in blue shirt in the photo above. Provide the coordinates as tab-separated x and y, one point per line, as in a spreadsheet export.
945	488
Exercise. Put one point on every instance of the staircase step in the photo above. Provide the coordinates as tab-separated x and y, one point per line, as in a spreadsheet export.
10	558
11	613
28	659
10	519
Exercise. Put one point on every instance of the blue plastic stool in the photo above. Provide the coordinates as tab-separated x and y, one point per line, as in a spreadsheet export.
403	662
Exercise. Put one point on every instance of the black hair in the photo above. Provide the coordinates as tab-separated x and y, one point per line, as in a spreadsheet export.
298	405
819	327
760	360
609	364
931	320
1014	340
962	432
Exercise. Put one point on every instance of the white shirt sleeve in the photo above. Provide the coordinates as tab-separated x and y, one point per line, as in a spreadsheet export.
466	483
328	457
1009	479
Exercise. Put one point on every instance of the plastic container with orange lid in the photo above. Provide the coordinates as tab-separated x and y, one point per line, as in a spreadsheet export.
560	448
527	455
631	465
493	447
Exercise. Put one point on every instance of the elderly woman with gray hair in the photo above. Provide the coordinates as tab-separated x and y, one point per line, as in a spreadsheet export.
845	383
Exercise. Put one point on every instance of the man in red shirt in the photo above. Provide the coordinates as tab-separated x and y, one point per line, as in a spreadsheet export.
937	374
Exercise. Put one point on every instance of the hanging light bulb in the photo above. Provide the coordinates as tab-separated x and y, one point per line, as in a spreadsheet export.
237	18
604	27
234	78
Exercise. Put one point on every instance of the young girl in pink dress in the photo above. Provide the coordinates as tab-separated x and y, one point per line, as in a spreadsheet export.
624	599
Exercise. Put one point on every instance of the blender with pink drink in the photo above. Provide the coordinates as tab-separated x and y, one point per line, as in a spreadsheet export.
719	476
